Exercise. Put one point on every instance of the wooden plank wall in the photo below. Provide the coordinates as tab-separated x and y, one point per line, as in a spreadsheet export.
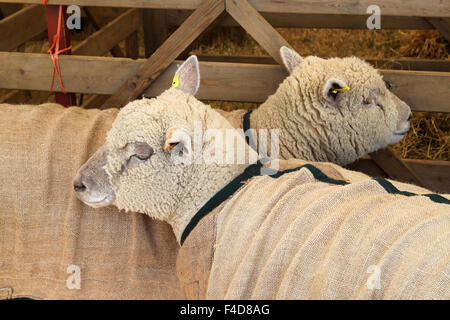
31	21
423	90
301	20
416	8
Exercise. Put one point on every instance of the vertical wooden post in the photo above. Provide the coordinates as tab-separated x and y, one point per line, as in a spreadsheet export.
132	46
156	30
52	13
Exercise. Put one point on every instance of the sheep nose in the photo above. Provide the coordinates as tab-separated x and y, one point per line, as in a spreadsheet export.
78	186
410	116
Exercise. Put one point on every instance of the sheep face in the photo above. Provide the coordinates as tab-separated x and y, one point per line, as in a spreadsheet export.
144	151
132	145
349	101
139	160
153	161
154	156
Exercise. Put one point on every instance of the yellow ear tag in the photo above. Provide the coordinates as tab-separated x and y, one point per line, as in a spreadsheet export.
176	81
341	90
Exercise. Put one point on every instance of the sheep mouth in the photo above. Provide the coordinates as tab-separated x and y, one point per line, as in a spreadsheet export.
397	137
400	133
106	201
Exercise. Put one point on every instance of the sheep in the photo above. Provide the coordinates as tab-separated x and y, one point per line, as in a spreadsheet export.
335	110
294	234
314	121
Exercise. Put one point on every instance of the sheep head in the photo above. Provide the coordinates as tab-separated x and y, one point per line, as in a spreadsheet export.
157	157
349	100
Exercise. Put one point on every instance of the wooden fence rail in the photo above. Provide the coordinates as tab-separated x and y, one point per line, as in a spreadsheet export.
414	8
390	63
302	20
111	34
423	90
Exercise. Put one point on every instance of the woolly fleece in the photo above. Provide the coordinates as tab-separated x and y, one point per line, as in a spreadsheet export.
159	187
316	129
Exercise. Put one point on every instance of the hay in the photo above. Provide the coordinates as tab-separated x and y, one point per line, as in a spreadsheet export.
429	137
423	44
375	44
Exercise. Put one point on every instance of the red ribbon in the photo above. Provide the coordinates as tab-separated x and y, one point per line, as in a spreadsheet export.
54	50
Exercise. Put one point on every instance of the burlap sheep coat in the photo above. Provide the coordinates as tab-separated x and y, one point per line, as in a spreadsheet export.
326	253
319	231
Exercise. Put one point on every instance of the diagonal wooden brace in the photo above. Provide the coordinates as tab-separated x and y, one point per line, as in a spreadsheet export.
197	22
395	167
255	24
442	25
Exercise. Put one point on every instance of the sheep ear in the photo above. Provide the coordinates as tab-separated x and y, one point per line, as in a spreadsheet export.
333	88
179	143
290	58
187	77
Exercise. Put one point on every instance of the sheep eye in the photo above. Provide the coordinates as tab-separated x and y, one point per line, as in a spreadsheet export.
142	156
142	151
367	103
388	85
370	100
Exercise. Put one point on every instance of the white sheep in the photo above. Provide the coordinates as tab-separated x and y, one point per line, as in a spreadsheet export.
303	233
335	110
